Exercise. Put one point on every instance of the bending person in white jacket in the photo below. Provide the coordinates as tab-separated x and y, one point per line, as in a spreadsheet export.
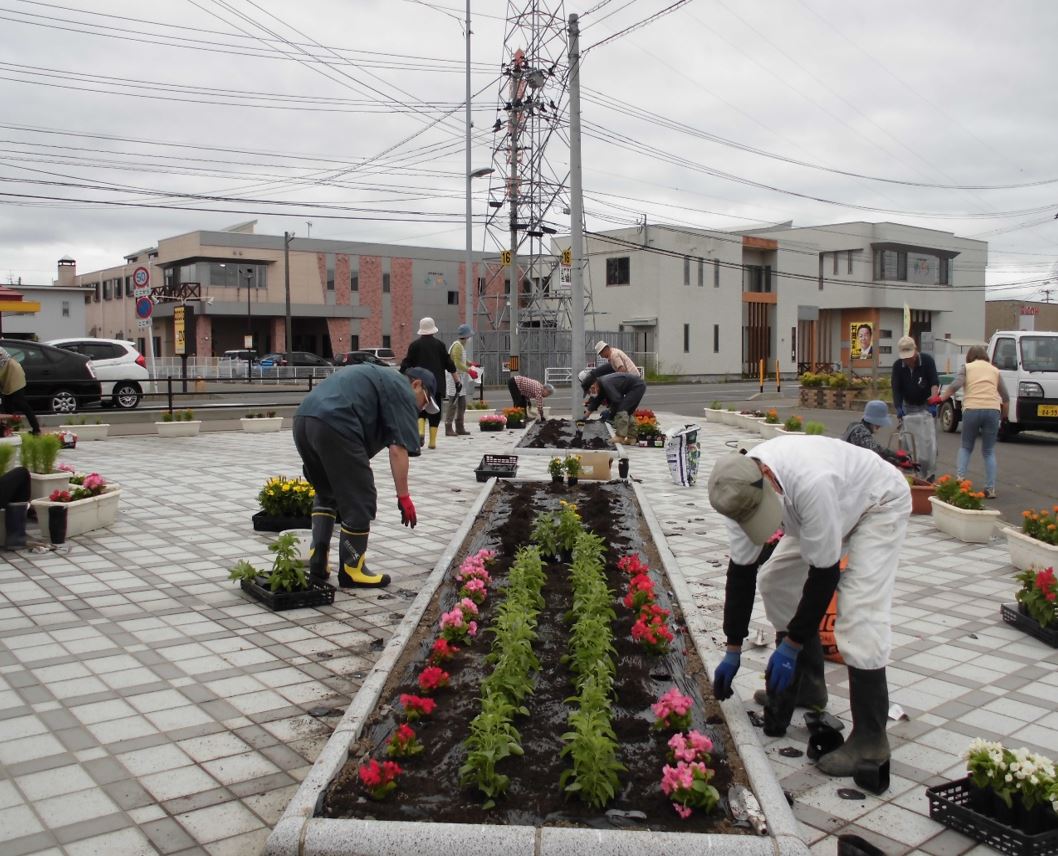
830	498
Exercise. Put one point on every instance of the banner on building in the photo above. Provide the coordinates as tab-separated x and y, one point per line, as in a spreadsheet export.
861	340
179	330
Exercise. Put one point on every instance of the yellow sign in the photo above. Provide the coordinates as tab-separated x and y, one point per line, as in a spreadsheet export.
505	257
861	340
1047	409
179	331
567	256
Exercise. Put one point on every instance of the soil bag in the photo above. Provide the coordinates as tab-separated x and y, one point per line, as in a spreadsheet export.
682	452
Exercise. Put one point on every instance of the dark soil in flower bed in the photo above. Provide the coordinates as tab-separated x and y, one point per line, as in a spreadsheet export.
429	788
562	434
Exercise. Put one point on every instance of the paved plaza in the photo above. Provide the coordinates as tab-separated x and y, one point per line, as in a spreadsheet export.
148	707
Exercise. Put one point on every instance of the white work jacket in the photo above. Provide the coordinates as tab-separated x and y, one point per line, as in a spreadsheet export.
827	487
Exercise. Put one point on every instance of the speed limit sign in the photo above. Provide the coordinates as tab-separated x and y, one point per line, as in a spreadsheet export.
141	277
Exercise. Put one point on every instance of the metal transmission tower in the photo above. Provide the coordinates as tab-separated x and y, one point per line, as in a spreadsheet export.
529	195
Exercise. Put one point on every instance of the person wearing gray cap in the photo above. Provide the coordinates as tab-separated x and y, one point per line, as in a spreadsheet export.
915	382
339	427
861	433
456	396
830	498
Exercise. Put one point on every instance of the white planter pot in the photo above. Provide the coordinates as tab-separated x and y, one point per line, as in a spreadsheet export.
728	417
753	423
261	425
84	515
14	440
88	432
767	431
782	432
1026	552
304	541
41	485
713	416
178	429
975	527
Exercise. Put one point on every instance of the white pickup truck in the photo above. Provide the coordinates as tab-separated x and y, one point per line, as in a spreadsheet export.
1028	363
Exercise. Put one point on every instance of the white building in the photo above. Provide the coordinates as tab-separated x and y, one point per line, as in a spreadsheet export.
712	303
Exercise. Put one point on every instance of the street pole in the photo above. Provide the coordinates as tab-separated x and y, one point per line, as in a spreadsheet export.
576	208
249	329
516	76
468	294
287	238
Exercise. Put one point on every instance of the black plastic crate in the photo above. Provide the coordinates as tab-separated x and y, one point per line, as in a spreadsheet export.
949	804
500	466
1014	616
317	594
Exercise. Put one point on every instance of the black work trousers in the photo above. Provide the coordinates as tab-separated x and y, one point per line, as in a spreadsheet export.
339	470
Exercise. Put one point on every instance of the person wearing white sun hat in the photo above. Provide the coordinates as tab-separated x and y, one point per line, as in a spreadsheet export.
830	498
428	352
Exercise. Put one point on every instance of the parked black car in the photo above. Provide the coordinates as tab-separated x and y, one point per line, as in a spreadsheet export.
355	358
293	358
56	380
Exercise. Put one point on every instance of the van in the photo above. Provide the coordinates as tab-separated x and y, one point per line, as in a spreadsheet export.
1028	363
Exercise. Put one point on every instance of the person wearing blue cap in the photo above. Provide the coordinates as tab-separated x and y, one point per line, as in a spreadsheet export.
456	394
861	433
339	427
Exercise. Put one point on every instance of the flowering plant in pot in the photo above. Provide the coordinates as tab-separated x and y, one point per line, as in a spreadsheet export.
572	468
1038	596
958	511
10	424
772	417
38	454
793	424
959	493
515	417
1035	545
1014	786
493	422
286	503
556	467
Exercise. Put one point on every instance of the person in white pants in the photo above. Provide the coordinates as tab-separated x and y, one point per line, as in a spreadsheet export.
831	499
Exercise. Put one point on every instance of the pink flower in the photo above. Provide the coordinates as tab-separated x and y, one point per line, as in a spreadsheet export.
682	810
687	785
472	628
468	606
93	482
673	710
692	746
66	468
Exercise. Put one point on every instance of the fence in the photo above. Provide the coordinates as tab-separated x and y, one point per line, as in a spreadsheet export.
218	368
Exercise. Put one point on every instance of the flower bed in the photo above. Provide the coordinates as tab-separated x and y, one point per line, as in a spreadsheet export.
562	434
451	782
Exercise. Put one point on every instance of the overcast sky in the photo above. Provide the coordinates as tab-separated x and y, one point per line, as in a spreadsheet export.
348	113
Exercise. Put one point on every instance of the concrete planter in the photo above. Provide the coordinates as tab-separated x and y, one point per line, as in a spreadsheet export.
16	441
260	425
782	432
83	515
178	429
713	415
753	423
41	485
768	429
1026	552
88	432
300	833
975	527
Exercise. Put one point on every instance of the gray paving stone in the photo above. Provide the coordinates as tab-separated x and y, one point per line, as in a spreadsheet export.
167	835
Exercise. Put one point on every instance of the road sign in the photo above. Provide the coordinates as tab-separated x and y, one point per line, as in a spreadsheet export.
144	307
143	323
567	256
141	277
505	257
141	292
179	329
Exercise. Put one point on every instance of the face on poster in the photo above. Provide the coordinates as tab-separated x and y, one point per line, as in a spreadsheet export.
861	337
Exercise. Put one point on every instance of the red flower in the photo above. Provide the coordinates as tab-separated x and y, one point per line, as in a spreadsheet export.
416	706
379	779
432	678
442	650
632	565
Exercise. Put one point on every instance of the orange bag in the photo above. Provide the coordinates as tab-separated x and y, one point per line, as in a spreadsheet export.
826	626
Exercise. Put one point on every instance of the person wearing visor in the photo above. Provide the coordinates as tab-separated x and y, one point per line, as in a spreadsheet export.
831	499
340	426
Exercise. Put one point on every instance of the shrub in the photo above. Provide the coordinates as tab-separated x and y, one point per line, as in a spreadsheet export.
288	571
1041	525
792	424
39	452
811	380
815	428
772	417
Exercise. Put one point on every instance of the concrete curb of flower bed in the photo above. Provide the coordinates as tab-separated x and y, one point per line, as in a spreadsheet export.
298	833
782	825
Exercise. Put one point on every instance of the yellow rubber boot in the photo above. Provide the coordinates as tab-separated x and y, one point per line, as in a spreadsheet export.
433	437
422	431
352	554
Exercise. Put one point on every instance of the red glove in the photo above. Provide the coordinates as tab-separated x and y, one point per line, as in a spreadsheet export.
934	400
473	374
407	511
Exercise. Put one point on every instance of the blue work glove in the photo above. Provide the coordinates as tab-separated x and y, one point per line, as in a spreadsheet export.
725	674
900	412
932	409
781	668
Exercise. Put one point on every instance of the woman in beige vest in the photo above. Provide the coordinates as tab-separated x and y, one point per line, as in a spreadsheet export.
984	403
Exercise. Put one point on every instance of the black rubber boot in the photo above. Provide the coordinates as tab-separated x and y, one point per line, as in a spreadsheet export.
15	524
869	700
461	412
812	692
322	529
352	567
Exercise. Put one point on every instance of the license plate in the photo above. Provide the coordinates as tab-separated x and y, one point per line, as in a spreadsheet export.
1047	409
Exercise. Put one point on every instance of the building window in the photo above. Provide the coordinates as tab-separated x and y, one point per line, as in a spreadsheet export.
385	283
849	255
756	278
716	338
128	286
99	287
354	280
834	270
686	338
453	298
686	270
141	345
66	309
330	271
481	285
354	342
701	273
106	290
822	258
618	271
885	334
386	342
918	266
716	273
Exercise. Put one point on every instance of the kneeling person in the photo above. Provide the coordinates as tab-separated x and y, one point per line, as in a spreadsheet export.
343	423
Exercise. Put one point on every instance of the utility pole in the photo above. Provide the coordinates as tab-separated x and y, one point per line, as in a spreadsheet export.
517	87
249	329
576	206
468	281
287	238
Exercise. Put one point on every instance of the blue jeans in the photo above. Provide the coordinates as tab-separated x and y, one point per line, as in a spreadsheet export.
985	423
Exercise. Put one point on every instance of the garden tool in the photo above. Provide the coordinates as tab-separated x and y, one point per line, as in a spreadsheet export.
808	688
433	438
868	743
620	426
461	410
15	524
422	431
352	555
322	529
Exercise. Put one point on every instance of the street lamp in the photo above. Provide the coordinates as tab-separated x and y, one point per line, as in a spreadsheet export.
249	327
